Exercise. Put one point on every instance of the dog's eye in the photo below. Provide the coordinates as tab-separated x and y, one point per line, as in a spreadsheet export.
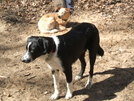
32	50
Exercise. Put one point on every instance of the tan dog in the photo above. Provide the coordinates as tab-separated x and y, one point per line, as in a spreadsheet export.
54	22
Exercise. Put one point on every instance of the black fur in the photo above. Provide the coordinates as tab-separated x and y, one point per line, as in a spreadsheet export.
72	46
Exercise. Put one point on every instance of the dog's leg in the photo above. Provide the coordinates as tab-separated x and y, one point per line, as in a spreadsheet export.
92	56
83	66
68	74
69	91
55	74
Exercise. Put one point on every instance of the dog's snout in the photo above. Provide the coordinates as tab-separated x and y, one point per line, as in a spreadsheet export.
22	60
25	60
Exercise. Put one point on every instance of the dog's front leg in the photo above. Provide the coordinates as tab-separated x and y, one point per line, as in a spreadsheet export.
68	75
55	75
69	91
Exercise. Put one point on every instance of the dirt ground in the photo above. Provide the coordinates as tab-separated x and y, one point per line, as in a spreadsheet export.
113	78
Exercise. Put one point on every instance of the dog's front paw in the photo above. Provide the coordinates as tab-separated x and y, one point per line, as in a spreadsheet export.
68	96
54	96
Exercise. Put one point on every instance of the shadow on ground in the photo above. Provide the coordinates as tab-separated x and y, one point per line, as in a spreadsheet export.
105	90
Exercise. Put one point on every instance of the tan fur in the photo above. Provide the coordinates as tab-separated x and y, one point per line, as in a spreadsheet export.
54	22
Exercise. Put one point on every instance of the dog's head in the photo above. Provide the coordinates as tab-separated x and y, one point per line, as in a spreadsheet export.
63	13
36	46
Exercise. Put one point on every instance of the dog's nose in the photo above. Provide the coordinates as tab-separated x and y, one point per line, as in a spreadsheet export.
25	61
22	59
59	16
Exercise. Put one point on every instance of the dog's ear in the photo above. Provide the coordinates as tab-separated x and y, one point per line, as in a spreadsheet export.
57	9
43	44
68	9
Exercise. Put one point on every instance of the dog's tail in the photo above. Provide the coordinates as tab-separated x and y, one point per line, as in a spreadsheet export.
50	31
100	51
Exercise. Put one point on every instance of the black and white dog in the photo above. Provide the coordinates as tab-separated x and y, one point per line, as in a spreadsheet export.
63	50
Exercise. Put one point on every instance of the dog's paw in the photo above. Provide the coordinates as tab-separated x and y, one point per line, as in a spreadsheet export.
78	77
88	85
54	96
68	96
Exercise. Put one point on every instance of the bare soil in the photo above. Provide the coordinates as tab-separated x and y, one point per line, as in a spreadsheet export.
113	78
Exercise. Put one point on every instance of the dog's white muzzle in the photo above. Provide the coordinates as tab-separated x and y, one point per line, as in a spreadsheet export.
26	58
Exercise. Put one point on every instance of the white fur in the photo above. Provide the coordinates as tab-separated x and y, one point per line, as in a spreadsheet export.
89	83
26	55
61	12
54	63
56	85
50	31
52	60
49	23
69	91
46	27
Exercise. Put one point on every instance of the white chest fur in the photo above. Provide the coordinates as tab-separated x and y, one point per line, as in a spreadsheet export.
52	60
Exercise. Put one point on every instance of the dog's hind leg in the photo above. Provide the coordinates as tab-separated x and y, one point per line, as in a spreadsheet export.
83	66
55	75
92	56
68	74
